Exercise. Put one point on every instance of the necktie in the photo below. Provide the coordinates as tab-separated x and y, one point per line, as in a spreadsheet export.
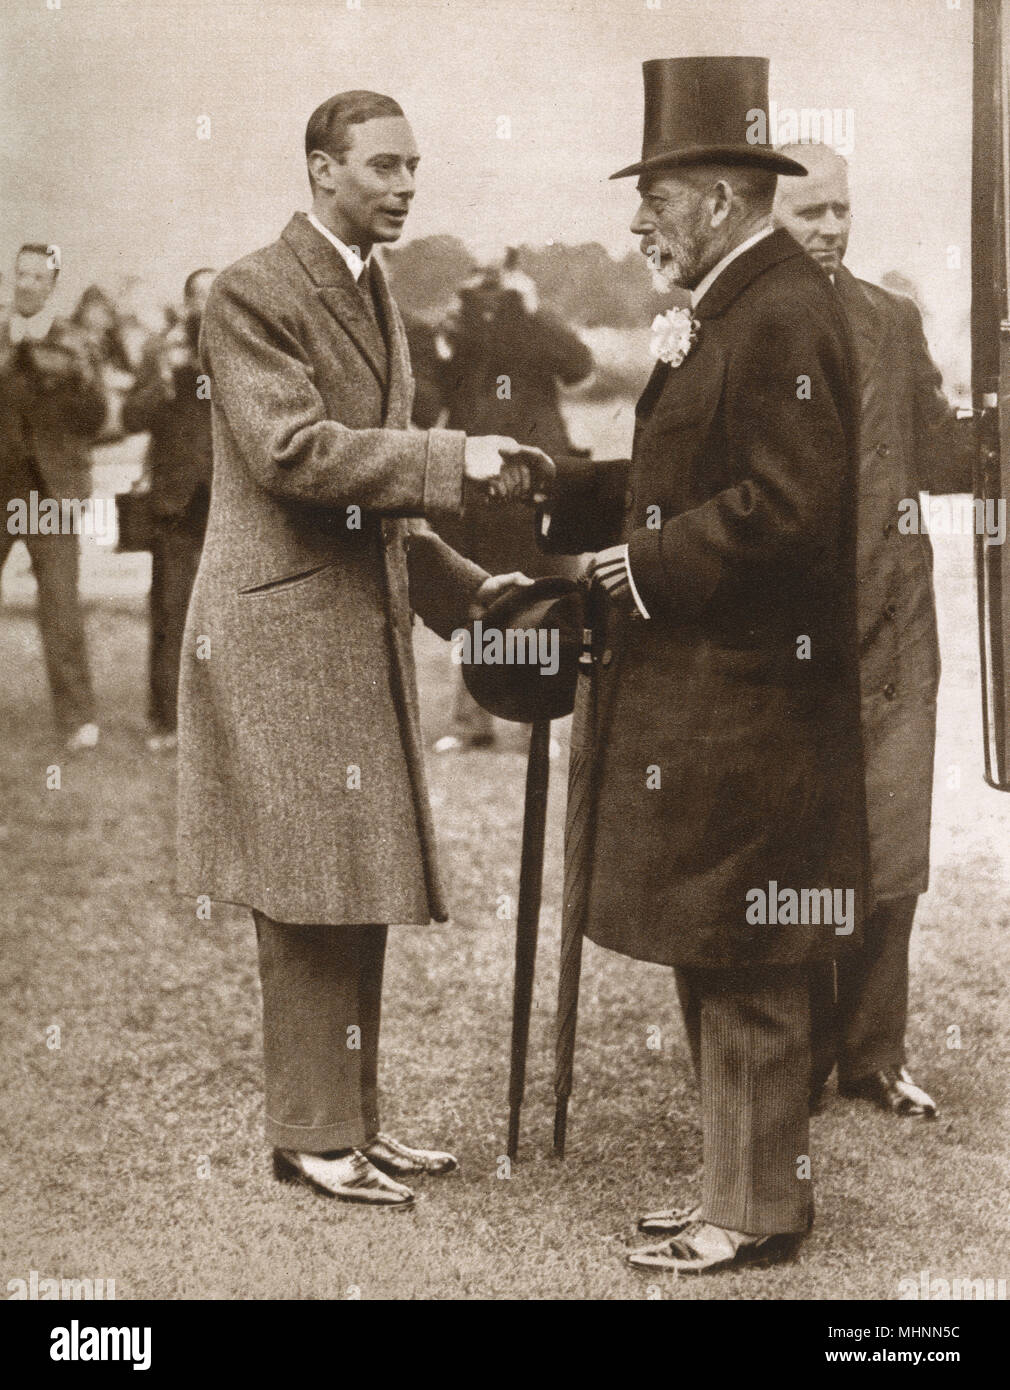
366	288
367	291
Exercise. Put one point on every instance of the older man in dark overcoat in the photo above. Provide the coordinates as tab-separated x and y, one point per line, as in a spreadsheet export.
725	829
910	442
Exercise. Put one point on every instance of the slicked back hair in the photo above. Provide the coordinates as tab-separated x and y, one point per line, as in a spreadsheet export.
37	248
329	127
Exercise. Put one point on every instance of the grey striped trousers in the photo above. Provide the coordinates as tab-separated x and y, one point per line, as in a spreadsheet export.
318	983
749	1034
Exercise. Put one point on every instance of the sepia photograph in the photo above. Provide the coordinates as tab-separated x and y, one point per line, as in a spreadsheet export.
505	668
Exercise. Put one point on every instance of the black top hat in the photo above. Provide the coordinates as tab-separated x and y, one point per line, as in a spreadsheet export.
702	111
524	690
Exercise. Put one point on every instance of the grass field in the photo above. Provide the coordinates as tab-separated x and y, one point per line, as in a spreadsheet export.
134	1151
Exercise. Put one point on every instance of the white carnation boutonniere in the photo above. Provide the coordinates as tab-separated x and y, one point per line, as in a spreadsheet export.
673	335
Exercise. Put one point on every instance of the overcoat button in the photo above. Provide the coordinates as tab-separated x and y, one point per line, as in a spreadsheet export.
888	529
890	691
883	450
890	609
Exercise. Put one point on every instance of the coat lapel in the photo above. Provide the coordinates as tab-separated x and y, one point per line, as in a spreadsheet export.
769	251
348	308
653	389
398	399
336	289
863	320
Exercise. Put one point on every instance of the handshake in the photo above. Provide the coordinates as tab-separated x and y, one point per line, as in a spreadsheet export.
507	469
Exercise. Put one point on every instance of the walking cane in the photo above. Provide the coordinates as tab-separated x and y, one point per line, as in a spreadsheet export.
531	867
578	860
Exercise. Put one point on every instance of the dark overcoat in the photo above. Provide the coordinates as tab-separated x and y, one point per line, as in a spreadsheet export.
179	453
725	739
51	421
301	775
910	442
535	351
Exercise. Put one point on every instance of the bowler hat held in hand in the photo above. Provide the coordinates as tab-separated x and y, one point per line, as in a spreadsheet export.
520	657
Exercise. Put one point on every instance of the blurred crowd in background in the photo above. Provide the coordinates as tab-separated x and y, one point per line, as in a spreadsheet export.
489	357
492	359
68	384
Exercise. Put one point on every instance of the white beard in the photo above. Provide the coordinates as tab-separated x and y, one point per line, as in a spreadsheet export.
671	276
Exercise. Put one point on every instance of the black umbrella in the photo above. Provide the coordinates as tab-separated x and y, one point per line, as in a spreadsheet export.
579	826
531	867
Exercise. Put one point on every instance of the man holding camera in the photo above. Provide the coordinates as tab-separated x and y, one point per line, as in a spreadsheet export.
170	400
504	358
52	404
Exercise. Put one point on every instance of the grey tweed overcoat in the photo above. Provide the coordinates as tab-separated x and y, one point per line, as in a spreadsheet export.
301	778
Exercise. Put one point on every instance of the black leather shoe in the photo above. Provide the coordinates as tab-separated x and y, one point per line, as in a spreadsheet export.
893	1090
702	1248
347	1176
401	1161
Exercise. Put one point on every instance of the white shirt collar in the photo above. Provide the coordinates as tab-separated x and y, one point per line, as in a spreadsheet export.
349	254
720	266
34	328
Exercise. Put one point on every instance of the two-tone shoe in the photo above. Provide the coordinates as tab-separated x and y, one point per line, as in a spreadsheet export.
702	1248
893	1090
668	1222
401	1161
347	1176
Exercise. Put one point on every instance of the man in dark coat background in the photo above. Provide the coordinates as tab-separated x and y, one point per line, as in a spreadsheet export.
170	400
504	358
910	441
721	742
